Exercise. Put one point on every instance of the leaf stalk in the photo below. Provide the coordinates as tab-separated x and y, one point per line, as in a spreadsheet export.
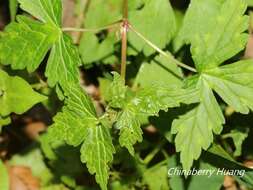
124	30
165	54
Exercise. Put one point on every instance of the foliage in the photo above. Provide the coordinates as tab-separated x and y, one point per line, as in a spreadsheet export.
111	139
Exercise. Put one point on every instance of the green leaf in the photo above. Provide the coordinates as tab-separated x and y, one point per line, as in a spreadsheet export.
77	124
249	3
157	177
219	35
156	21
98	144
93	48
216	39
63	62
16	95
233	83
219	157
116	93
194	23
195	129
238	135
105	12
64	160
4	177
48	11
130	130
33	158
169	73
146	102
4	121
214	182
25	43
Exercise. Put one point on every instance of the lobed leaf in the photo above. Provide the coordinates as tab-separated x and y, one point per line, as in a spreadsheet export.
216	37
34	39
25	43
77	124
233	83
97	151
195	129
146	102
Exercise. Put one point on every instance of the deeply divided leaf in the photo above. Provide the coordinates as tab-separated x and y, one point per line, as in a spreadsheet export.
34	39
77	124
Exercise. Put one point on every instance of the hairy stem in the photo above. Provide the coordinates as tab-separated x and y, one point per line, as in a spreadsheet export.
95	30
165	54
124	30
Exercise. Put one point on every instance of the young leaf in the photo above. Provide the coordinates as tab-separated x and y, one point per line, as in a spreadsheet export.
130	130
155	21
77	124
147	101
36	38
16	95
195	129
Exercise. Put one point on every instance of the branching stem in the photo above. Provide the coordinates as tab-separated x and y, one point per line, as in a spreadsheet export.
165	54
95	30
125	26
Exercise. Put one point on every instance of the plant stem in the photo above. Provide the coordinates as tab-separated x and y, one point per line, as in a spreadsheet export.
123	51
80	20
124	31
95	30
165	54
152	154
125	9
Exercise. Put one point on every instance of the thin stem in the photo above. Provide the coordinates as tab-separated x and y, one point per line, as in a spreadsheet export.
80	20
165	54
152	154
123	51
95	30
39	85
125	9
251	22
124	40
